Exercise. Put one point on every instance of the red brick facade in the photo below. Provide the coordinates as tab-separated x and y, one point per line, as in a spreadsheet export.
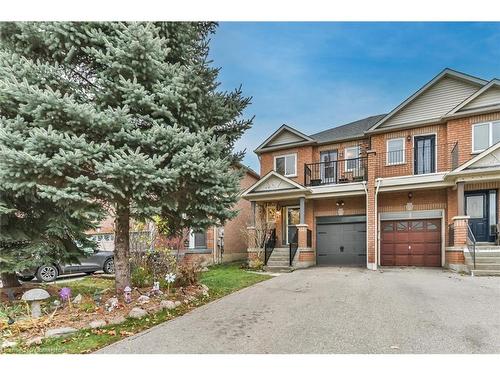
451	137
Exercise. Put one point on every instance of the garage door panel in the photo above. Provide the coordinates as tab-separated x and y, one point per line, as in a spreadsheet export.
341	244
411	243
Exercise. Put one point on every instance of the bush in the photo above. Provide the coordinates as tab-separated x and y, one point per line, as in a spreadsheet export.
148	267
255	264
188	274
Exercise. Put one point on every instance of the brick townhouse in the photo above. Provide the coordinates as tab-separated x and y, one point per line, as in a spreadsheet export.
414	187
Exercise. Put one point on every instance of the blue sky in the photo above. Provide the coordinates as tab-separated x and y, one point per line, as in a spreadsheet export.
314	76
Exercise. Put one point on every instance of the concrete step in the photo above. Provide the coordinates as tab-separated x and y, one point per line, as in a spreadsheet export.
492	260
487	266
485	252
278	269
278	263
485	272
279	257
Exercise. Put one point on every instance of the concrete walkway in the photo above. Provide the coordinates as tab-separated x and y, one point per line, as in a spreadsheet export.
339	310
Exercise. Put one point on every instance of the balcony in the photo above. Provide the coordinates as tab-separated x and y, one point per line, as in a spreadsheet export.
426	158
336	172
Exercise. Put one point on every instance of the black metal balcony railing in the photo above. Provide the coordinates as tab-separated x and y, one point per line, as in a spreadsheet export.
336	172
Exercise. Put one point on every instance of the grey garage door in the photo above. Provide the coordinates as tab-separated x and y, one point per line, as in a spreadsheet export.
341	243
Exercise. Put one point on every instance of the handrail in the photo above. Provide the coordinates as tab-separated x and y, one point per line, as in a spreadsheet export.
294	245
269	245
472	240
336	171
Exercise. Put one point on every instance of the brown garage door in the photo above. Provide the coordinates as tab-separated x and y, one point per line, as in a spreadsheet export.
410	243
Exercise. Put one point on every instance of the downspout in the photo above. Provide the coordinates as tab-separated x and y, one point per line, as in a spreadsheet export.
376	222
215	256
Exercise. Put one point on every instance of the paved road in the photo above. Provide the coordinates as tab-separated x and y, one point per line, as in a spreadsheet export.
339	310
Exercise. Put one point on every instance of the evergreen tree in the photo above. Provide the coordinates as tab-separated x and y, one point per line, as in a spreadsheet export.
127	114
35	231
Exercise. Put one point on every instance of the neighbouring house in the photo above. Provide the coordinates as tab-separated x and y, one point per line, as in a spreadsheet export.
226	243
217	244
415	187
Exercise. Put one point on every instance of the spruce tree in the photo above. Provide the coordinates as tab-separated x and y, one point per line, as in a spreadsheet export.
124	114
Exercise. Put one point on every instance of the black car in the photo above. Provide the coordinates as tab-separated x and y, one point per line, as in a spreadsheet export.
97	260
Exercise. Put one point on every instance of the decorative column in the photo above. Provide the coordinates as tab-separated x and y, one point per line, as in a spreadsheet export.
460	199
253	251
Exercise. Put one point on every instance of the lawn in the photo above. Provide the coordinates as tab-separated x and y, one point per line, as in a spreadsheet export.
221	279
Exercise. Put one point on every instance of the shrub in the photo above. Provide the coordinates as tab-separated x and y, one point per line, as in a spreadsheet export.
255	264
188	274
150	266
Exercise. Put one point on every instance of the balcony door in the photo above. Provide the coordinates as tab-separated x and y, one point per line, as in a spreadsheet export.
424	154
328	166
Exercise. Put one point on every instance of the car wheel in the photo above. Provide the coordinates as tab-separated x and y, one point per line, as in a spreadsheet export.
109	266
47	273
25	278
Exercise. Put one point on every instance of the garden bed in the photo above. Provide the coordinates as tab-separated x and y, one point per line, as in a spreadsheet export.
29	334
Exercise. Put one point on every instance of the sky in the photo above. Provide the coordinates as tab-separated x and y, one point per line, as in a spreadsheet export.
315	76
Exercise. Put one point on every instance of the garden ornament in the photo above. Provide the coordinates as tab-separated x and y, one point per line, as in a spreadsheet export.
169	278
127	294
34	297
65	294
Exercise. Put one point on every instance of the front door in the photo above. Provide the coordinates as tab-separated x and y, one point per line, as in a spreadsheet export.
328	167
424	154
476	207
292	219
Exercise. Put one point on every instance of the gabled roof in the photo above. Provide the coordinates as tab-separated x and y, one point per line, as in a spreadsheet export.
273	182
351	130
283	137
475	162
468	104
446	73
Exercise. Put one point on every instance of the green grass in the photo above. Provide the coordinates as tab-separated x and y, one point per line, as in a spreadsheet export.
221	279
87	285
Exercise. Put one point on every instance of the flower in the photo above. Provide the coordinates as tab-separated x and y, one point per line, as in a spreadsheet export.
170	278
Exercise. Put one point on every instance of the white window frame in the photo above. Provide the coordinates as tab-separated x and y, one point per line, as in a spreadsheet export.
490	135
346	169
285	156
403	149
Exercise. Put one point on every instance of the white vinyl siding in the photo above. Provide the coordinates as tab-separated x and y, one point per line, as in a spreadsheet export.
485	135
286	165
285	137
351	153
395	151
438	100
488	98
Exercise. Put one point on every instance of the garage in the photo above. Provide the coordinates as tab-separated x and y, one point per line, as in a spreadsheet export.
341	240
410	243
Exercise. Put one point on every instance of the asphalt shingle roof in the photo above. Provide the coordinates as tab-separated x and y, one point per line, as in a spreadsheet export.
350	130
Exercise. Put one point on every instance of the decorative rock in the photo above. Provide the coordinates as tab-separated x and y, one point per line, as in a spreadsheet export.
56	303
204	287
177	303
167	305
97	323
8	344
204	269
117	320
37	340
78	299
62	331
143	299
111	304
137	313
34	296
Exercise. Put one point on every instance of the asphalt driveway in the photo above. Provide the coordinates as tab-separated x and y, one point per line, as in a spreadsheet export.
339	310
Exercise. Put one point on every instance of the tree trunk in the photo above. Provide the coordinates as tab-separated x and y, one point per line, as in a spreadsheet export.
9	280
122	247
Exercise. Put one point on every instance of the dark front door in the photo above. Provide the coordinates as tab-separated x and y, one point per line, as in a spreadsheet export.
328	167
476	206
341	244
425	154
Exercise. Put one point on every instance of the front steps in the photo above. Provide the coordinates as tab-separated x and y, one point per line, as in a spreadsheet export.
487	261
279	261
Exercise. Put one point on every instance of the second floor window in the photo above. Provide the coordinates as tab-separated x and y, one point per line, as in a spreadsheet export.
286	165
395	151
485	135
351	158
